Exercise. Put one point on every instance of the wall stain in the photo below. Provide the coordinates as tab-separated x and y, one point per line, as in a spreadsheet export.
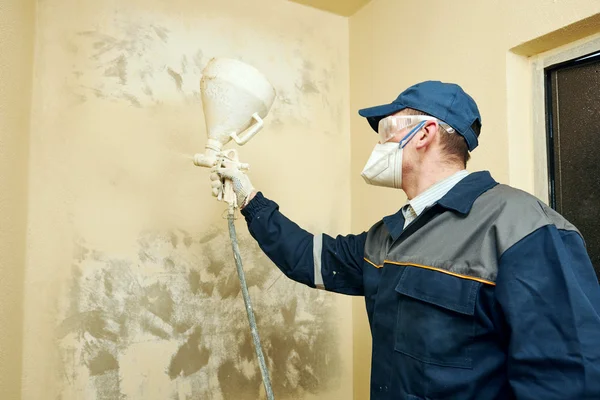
190	296
132	99
108	286
246	348
176	77
159	302
118	68
209	236
98	93
199	60
102	362
184	64
214	266
183	327
289	312
147	90
133	54
235	385
174	239
284	98
190	357
168	263
327	77
91	322
107	386
152	328
308	86
197	286
194	278
162	33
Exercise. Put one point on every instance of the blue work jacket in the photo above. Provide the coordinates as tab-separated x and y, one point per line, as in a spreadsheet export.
488	294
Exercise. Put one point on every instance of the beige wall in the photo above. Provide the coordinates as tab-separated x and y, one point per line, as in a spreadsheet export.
17	19
131	288
394	44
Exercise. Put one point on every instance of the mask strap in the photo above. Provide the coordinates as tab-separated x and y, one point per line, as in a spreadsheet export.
410	134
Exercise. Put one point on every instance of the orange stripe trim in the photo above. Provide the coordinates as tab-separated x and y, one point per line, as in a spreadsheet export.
373	264
442	271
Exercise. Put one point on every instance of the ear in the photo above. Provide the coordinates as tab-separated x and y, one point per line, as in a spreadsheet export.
426	136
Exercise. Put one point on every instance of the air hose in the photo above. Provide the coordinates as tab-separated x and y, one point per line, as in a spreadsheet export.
253	329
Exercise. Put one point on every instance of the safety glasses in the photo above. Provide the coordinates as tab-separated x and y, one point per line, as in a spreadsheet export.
389	126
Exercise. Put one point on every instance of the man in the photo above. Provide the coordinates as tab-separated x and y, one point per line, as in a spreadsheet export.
474	290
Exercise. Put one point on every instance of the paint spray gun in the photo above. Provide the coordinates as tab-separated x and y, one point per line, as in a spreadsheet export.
235	98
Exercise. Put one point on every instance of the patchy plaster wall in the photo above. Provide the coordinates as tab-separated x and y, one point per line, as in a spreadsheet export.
17	20
131	290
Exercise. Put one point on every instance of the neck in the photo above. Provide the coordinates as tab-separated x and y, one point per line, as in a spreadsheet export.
426	175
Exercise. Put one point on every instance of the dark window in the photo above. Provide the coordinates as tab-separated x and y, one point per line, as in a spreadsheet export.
573	120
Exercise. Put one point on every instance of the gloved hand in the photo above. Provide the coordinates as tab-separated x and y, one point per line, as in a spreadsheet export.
241	184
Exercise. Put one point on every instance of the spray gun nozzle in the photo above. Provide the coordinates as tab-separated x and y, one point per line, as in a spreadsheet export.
201	160
227	159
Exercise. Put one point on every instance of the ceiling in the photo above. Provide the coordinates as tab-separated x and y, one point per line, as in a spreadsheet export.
341	7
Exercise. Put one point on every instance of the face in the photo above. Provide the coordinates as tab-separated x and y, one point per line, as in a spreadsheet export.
402	142
408	151
419	139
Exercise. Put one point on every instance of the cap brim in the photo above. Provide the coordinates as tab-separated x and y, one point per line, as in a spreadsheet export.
375	114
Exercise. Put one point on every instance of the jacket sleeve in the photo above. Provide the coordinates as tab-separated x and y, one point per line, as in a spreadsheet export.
550	297
319	261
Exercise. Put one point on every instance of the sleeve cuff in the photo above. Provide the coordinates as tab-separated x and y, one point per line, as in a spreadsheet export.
258	203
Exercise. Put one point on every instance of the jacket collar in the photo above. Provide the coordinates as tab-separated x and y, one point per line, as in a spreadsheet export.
459	199
462	196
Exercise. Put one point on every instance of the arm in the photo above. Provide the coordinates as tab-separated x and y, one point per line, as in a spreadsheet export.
549	293
316	260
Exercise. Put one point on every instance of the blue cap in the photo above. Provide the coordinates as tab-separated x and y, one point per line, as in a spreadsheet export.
445	101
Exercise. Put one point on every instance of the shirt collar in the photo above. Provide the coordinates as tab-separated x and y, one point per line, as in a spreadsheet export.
436	191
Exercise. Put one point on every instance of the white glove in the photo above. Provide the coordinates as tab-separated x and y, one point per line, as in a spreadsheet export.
242	186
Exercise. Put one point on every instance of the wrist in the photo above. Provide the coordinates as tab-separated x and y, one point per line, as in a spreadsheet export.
249	199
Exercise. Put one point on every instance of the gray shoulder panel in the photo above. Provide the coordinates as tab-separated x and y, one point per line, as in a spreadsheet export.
518	215
471	245
378	240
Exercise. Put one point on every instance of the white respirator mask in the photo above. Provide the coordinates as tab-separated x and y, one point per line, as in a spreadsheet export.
384	166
